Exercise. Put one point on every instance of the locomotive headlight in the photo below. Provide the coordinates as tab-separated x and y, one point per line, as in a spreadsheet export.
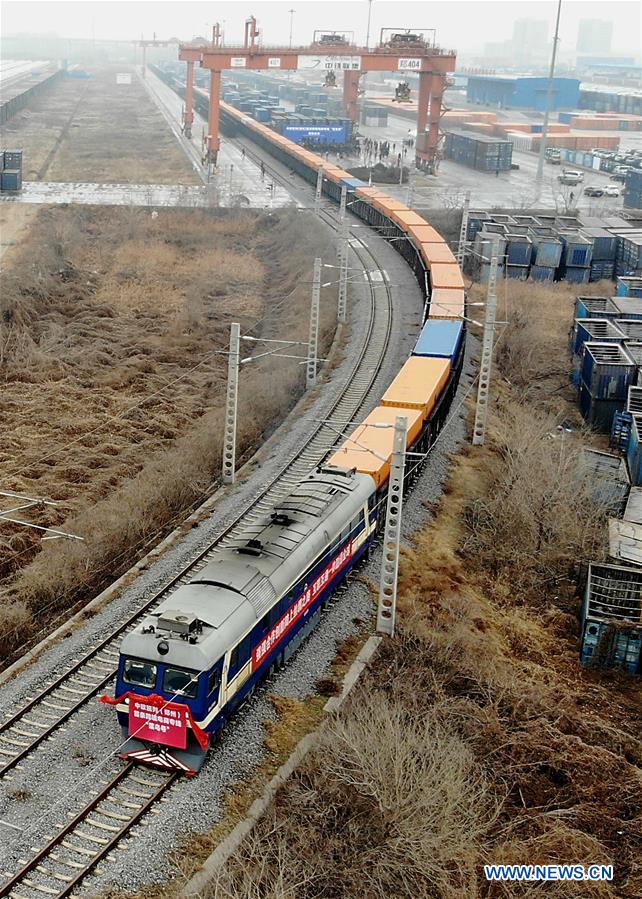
162	647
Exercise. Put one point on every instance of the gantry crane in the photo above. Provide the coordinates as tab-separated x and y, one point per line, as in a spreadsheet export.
398	51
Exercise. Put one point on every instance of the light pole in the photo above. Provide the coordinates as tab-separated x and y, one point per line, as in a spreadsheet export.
291	11
547	110
368	29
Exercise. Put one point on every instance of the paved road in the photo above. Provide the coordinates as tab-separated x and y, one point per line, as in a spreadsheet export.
514	189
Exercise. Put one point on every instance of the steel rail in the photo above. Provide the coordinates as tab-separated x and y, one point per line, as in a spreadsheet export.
116	808
57	702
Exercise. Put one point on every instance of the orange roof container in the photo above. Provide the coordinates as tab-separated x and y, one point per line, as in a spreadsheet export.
386	204
406	218
435	253
418	384
446	276
369	449
424	234
447	303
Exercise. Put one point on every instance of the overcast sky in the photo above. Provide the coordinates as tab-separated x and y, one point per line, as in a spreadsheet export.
460	24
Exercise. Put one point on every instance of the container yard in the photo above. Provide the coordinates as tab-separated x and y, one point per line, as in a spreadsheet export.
321	480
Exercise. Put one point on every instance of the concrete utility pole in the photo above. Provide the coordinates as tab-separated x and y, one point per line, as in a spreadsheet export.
463	231
387	606
231	405
317	195
481	411
291	11
368	28
343	258
410	195
313	338
547	111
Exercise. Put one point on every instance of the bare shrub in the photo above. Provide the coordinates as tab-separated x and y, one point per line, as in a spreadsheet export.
125	306
539	515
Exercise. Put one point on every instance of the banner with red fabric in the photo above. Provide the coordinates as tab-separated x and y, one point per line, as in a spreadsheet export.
159	720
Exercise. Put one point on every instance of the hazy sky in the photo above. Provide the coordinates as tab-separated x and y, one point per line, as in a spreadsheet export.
460	24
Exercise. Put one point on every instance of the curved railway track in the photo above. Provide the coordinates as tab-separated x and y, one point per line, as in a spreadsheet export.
44	714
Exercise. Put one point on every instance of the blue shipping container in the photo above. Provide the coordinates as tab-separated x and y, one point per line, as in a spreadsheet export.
519	250
577	274
353	183
615	648
542	272
440	338
11	179
634	454
548	252
596	412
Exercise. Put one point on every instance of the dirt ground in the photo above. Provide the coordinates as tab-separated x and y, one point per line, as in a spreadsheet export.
114	327
14	222
96	130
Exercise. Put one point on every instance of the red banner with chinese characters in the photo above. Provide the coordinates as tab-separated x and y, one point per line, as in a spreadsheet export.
160	725
302	604
155	705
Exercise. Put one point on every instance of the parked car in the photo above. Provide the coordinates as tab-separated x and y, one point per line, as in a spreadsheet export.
612	190
592	191
570	176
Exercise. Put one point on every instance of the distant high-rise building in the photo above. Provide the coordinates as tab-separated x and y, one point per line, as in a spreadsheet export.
530	41
594	36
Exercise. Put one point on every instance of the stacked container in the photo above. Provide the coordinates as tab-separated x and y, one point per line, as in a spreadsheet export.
633	190
612	618
547	248
10	170
604	251
576	258
606	373
486	154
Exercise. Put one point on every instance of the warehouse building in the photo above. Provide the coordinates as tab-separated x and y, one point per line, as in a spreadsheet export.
522	92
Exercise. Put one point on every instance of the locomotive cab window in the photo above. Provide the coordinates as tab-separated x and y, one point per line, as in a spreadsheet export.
214	681
177	680
138	673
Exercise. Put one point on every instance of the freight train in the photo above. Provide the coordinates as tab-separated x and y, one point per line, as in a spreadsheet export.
186	668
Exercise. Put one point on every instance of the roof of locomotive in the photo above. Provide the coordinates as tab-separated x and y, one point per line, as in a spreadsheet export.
233	591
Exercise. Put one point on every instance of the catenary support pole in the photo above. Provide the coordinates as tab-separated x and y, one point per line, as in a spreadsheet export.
231	405
342	309
410	195
463	231
547	110
387	606
313	337
481	411
317	195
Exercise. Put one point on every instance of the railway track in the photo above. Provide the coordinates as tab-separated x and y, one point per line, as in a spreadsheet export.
58	867
44	714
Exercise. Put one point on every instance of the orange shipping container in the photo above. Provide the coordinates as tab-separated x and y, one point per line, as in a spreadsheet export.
435	253
418	384
385	203
446	303
424	234
446	276
407	219
369	448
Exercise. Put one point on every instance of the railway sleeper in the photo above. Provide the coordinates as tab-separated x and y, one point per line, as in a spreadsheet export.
66	861
64	877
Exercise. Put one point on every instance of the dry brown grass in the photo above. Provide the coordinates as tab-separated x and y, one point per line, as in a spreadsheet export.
112	133
102	312
476	736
